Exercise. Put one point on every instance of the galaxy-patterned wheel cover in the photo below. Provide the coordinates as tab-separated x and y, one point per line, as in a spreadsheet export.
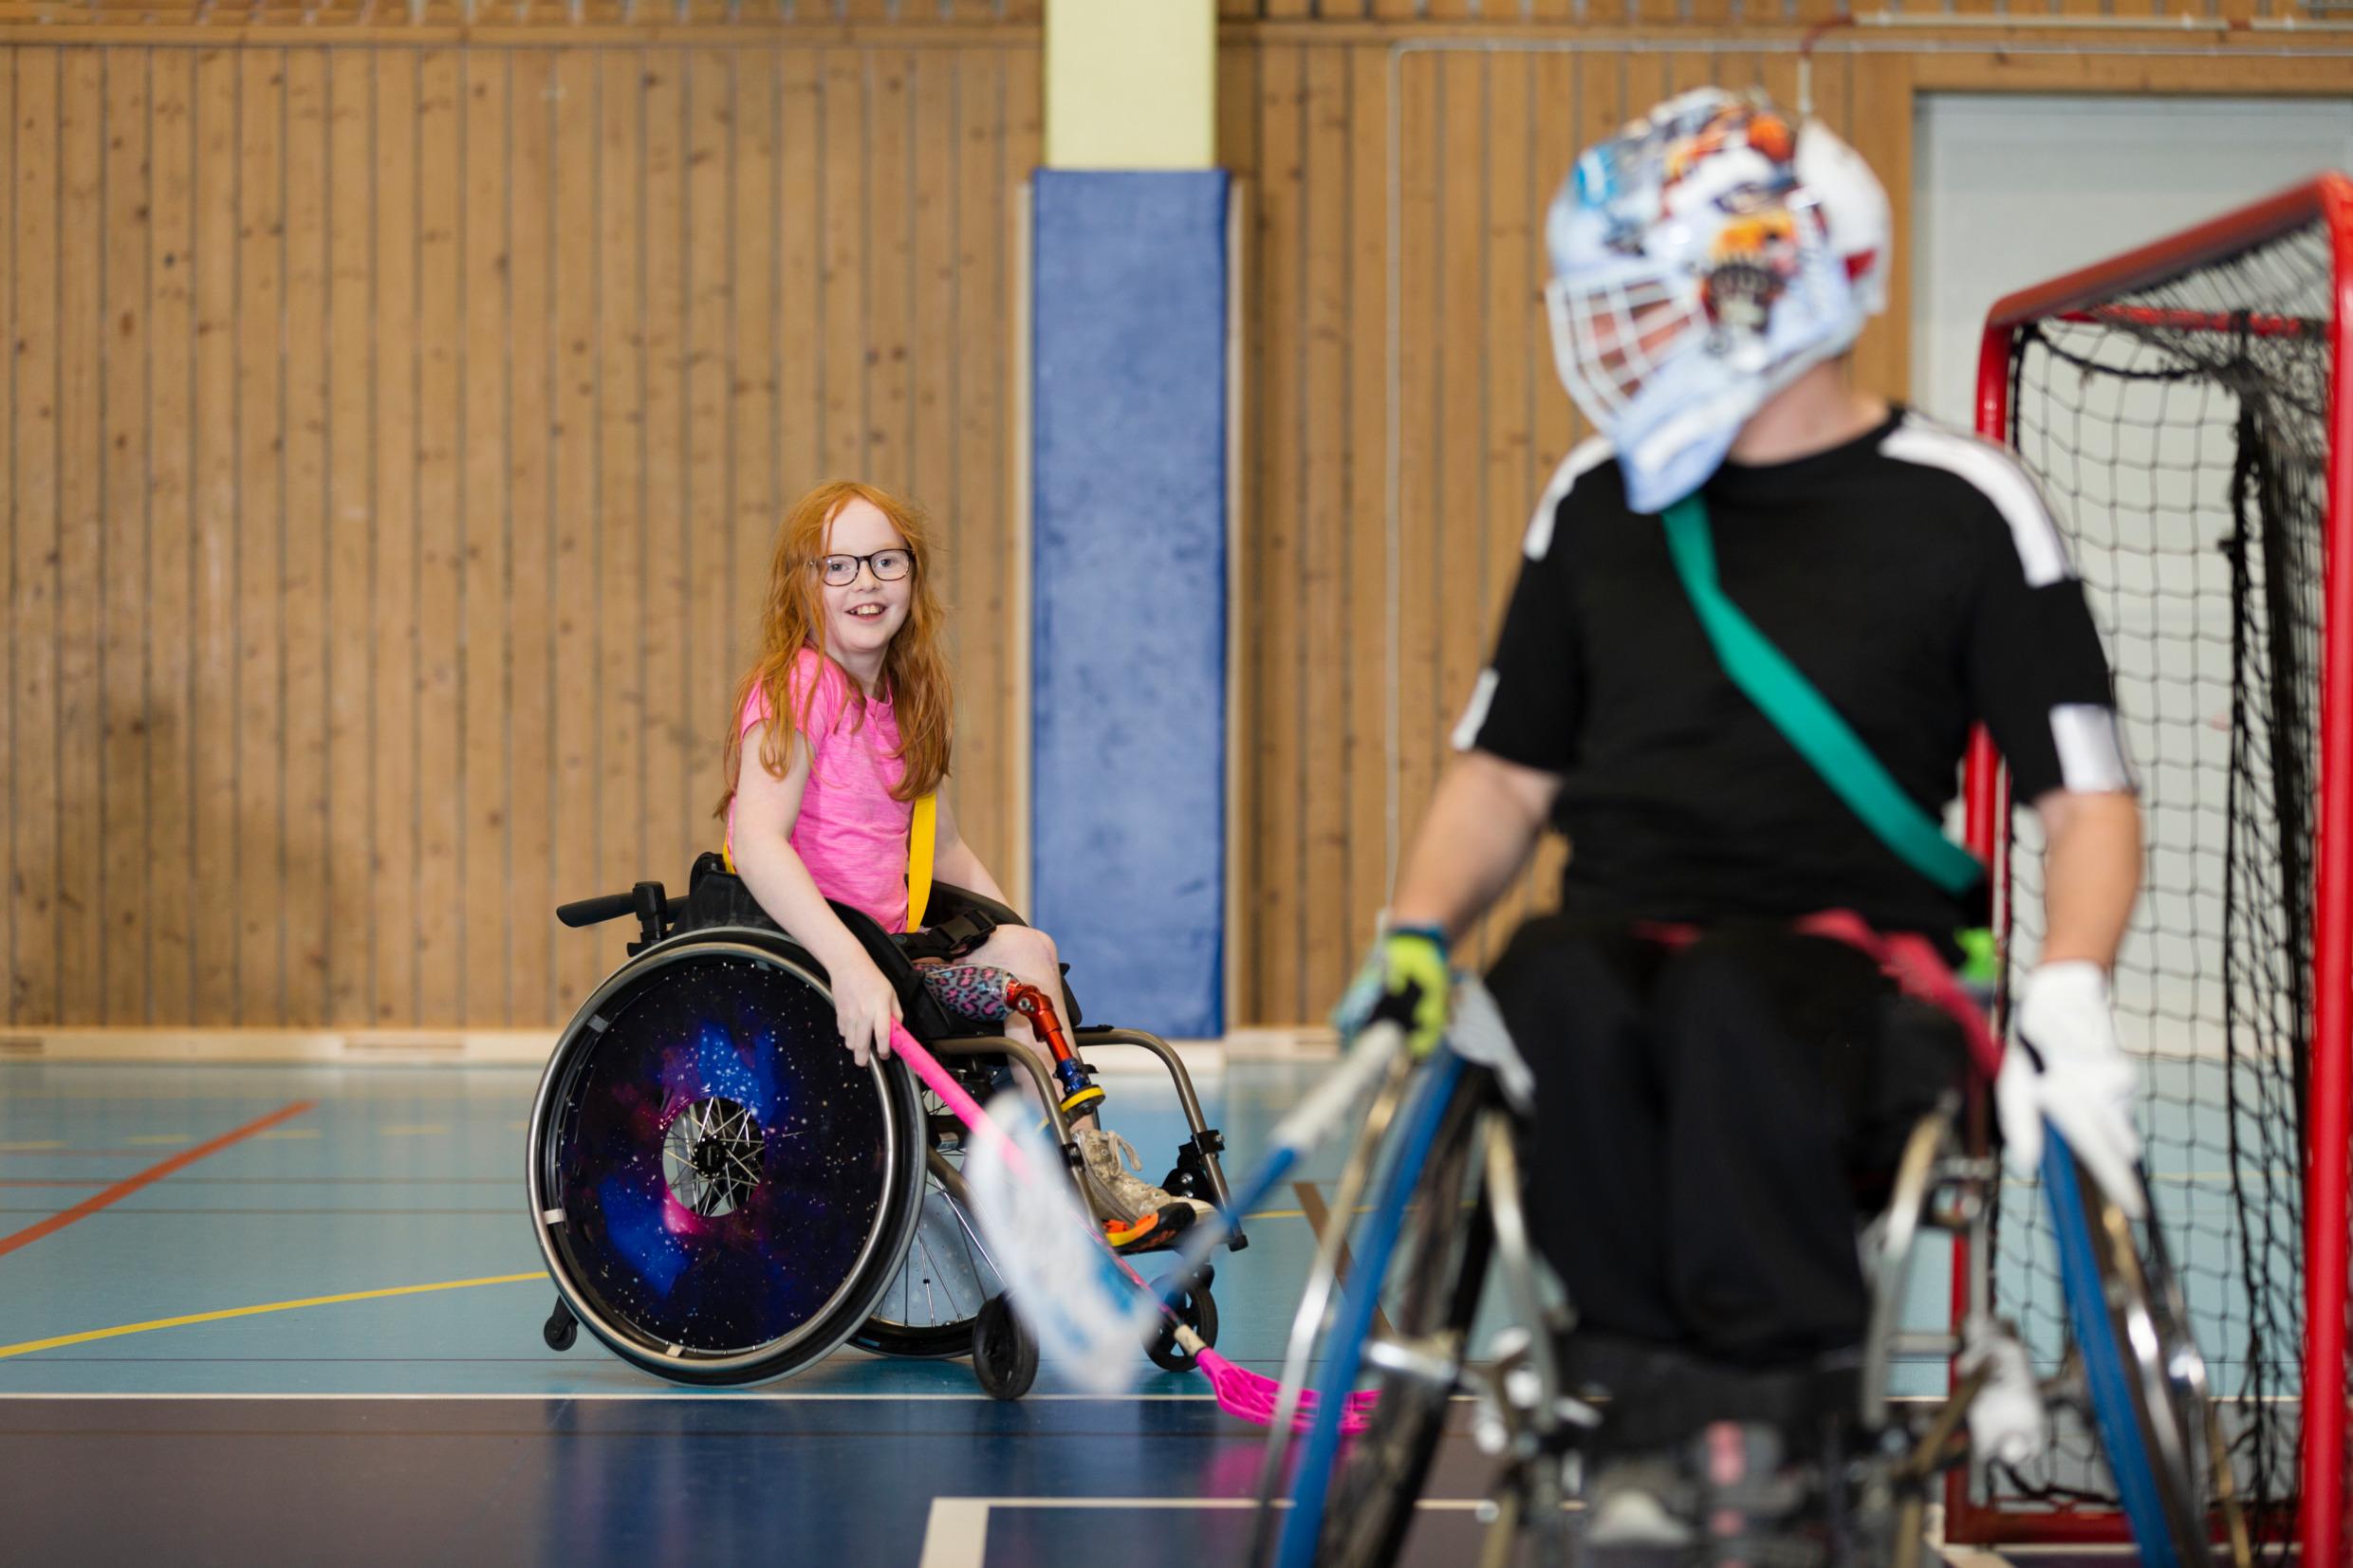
739	1058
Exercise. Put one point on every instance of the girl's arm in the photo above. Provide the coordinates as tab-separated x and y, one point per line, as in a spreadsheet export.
954	861
765	808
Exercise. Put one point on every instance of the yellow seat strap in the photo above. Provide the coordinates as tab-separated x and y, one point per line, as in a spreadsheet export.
921	834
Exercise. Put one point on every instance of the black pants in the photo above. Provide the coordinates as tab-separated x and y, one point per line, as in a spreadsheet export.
1711	1121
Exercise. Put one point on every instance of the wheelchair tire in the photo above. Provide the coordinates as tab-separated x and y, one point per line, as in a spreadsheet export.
1436	1278
1197	1309
562	1330
1005	1354
2143	1375
926	1311
720	1193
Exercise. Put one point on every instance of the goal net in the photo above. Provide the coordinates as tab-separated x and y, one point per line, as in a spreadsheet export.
2185	410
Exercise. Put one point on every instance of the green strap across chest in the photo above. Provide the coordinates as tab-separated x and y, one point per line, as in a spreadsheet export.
1805	716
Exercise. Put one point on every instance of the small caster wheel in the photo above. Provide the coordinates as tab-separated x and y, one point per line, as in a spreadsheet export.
1197	1309
561	1329
1005	1357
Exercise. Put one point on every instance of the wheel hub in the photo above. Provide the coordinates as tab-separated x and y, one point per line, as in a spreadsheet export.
711	1157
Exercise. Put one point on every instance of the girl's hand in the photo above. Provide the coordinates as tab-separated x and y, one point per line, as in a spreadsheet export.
865	1007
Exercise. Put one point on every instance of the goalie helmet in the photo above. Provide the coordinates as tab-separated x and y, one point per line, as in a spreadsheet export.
1702	259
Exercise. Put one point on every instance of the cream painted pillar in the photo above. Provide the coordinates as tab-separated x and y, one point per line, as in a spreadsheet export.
1131	83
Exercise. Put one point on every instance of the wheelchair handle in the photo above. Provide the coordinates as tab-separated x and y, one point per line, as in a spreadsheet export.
648	901
594	912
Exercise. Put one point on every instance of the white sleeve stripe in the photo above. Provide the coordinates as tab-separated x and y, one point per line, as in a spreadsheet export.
1583	460
2003	482
1474	716
2091	749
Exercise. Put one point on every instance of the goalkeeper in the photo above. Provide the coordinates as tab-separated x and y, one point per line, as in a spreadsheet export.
1714	1086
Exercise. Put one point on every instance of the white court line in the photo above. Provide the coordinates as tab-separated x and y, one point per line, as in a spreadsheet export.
956	1535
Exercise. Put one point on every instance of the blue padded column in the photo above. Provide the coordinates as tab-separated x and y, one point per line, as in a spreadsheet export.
1128	575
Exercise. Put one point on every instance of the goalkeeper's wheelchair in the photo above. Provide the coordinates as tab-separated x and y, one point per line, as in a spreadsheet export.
723	1195
1446	1219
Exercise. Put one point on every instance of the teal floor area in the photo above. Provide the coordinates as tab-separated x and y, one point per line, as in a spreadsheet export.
321	1341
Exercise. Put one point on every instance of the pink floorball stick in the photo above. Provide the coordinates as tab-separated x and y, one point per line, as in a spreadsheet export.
1239	1391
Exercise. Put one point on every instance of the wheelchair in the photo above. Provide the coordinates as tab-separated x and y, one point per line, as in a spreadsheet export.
724	1196
1447	1225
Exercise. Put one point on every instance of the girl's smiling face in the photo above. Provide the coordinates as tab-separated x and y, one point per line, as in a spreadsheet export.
864	612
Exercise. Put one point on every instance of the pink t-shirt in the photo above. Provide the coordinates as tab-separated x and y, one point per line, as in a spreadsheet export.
850	834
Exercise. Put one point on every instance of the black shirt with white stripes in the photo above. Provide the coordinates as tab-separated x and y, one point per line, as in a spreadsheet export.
1913	575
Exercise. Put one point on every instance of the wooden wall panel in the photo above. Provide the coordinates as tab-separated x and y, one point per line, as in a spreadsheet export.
397	439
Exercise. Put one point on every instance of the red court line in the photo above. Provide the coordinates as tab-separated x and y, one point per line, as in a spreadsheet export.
129	1185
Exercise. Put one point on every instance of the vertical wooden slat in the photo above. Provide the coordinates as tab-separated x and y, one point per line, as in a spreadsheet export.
616	761
979	554
260	480
487	808
37	874
1514	327
1556	134
170	501
213	821
932	89
802	299
1451	545
352	930
1323	556
1365	671
842	221
9	306
79	489
751	384
1271	593
308	536
124	704
1883	127
658	757
576	868
1411	610
392	829
934	335
712	459
442	928
890	242
1399	9
1024	148
529	591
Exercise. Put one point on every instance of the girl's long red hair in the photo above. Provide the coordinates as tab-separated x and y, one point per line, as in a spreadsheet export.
792	618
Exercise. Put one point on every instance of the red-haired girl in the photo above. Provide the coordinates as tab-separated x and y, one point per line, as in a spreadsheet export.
849	715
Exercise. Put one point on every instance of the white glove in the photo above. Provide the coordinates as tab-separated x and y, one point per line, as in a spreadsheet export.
2067	1067
2006	1420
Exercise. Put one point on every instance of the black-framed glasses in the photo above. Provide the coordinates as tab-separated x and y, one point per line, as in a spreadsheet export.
840	571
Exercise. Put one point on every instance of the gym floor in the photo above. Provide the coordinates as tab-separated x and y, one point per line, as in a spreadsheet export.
291	1315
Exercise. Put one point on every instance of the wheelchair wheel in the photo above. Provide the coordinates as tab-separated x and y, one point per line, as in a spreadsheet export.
928	1308
720	1191
1004	1356
1433	1293
2143	1374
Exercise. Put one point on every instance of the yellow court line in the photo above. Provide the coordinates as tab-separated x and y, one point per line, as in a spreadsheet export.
157	1137
31	1345
25	1148
290	1133
416	1130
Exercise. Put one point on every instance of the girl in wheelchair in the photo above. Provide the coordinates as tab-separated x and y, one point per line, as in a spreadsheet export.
847	715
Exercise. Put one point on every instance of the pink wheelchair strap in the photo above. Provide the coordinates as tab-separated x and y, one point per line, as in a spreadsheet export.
1907	958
